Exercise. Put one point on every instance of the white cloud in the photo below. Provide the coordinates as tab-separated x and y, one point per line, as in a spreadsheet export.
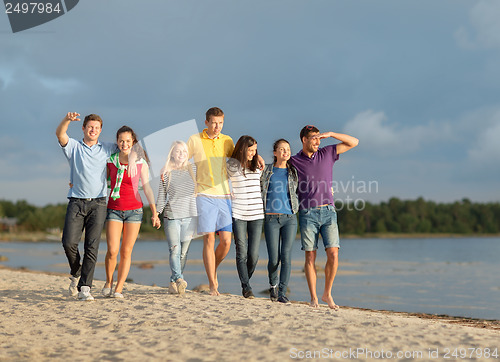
375	132
5	77
371	128
485	32
60	86
486	150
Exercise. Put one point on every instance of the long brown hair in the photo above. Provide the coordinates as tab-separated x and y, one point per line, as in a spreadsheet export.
141	152
240	153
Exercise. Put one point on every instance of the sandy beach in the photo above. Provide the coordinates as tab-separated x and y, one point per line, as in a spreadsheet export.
41	322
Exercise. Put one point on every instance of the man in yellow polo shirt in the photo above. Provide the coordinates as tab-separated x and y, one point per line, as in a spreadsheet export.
210	149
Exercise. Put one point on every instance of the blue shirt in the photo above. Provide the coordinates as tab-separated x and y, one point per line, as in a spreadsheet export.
278	200
87	168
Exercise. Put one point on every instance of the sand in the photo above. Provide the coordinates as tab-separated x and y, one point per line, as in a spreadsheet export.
41	322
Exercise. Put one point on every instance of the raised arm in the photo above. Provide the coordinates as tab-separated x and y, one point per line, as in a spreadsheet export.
62	129
347	142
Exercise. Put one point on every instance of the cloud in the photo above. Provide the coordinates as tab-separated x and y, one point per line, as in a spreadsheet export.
375	132
5	77
372	128
60	86
486	150
485	32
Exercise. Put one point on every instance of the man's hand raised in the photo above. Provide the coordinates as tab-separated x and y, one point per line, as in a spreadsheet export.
62	129
72	116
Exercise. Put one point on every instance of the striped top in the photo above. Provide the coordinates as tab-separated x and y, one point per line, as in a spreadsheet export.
176	195
246	196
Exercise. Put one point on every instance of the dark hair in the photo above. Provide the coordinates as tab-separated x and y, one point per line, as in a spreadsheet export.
91	117
141	152
213	112
306	130
275	147
240	153
124	129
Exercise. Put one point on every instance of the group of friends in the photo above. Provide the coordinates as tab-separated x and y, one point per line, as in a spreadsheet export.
227	189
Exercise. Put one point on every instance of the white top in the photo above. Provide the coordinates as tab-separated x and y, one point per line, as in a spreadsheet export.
246	195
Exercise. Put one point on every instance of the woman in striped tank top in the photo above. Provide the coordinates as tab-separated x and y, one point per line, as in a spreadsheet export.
247	208
177	201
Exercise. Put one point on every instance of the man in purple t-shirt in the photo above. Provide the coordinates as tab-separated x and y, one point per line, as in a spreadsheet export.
316	211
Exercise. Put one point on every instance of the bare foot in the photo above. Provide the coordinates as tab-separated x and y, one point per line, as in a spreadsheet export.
314	303
329	300
214	288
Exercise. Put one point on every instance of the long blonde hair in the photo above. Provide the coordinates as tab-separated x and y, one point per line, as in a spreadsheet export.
169	165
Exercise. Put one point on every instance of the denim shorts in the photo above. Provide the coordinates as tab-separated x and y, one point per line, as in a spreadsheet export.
214	214
128	216
315	221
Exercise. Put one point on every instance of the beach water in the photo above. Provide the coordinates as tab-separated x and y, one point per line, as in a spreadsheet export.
452	276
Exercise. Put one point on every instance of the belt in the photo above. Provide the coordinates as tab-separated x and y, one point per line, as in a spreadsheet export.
89	199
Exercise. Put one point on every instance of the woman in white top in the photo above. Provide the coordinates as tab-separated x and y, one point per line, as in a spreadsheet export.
177	202
247	208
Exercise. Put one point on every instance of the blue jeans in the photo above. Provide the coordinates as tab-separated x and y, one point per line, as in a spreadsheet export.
319	220
179	233
126	216
280	231
88	215
247	236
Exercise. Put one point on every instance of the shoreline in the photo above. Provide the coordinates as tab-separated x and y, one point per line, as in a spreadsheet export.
151	324
39	236
464	321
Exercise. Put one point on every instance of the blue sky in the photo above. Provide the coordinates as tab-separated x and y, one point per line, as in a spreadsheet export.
418	82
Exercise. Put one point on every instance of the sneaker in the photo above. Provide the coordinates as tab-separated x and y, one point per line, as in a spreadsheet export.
273	293
118	295
248	294
284	299
106	292
172	288
181	285
85	293
73	286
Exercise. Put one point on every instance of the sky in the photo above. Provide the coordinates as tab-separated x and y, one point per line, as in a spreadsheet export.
417	82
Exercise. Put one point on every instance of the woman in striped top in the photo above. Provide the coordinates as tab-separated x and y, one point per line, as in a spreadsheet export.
247	208
177	201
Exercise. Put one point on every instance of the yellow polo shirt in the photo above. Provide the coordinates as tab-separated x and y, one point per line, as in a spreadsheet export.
210	158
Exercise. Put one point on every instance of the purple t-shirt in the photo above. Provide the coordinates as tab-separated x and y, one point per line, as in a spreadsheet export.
315	176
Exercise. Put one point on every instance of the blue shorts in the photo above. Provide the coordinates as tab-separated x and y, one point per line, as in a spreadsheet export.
315	221
128	216
214	214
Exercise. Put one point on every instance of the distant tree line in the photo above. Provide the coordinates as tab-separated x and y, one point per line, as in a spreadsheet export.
393	216
420	216
34	218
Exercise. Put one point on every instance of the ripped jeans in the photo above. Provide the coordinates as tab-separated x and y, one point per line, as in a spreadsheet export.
179	233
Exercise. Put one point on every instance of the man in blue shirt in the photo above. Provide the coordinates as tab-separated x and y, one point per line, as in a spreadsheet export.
87	198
